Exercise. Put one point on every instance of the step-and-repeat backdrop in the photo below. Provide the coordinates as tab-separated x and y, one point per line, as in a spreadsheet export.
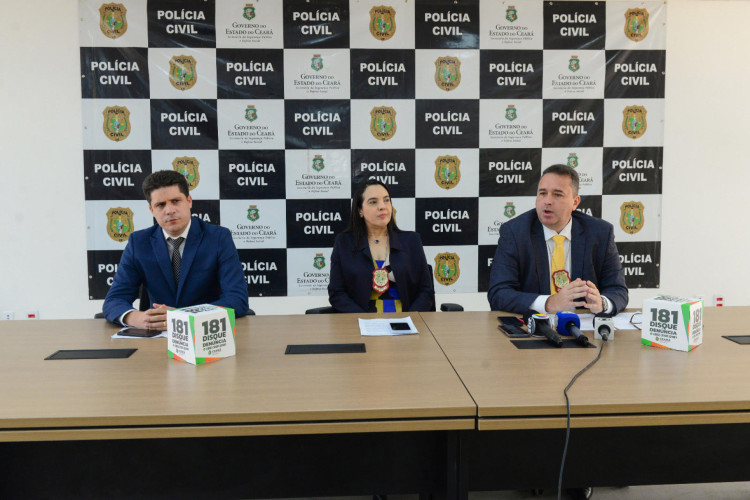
274	109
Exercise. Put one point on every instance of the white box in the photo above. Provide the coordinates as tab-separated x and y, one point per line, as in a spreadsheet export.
199	334
672	322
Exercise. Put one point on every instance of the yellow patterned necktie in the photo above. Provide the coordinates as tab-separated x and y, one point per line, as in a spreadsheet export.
558	261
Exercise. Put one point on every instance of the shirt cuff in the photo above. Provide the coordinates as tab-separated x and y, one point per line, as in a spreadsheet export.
122	318
539	303
610	307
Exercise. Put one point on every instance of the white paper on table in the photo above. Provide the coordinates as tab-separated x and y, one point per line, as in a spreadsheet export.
622	321
381	327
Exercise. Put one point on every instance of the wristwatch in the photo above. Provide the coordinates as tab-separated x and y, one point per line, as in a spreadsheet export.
605	304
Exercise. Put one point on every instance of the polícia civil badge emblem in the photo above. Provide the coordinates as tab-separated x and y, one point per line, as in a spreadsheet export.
382	22
560	278
116	123
447	171
447	72
120	223
631	216
383	122
634	123
380	282
447	271
253	213
636	24
188	166
112	20
182	72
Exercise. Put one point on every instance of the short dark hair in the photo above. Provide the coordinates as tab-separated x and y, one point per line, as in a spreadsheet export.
565	171
162	179
356	223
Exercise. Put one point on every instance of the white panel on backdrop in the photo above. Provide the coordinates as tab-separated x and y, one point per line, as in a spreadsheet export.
136	128
308	271
316	74
105	232
513	123
255	223
465	182
251	123
261	26
362	135
574	74
402	36
586	161
161	66
404	213
207	162
627	113
654	36
318	173
135	23
428	64
636	217
450	262
511	25
496	211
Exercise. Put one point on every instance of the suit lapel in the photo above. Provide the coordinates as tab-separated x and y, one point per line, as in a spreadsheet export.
577	250
161	253
539	247
193	241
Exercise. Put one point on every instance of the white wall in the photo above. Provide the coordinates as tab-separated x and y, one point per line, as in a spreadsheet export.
42	229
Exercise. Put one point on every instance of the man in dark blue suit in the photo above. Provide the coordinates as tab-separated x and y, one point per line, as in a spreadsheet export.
181	260
592	277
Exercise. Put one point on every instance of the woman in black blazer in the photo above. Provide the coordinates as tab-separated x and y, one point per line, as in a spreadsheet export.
376	267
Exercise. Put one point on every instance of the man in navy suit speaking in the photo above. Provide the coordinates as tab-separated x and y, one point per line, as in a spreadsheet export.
554	258
181	260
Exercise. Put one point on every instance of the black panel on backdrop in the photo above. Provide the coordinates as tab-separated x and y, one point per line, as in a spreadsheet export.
632	170
181	23
573	123
447	221
640	262
444	123
108	72
635	73
591	205
207	211
183	124
486	254
249	175
115	174
317	124
250	74
315	223
318	24
447	24
510	74
393	167
509	172
379	74
265	271
102	266
574	25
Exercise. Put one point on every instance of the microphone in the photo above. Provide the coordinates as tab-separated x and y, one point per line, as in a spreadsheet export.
539	324
569	323
604	327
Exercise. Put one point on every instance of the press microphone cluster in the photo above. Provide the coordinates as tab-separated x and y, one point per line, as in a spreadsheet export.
569	323
604	328
539	324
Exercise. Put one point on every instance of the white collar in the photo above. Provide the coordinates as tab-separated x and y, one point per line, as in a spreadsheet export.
567	231
184	233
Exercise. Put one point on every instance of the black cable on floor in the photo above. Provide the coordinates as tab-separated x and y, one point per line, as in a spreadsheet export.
567	405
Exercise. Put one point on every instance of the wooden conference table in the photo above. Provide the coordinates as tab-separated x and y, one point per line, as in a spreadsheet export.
639	416
455	409
259	424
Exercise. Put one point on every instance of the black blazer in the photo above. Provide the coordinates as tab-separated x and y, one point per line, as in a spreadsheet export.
351	273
